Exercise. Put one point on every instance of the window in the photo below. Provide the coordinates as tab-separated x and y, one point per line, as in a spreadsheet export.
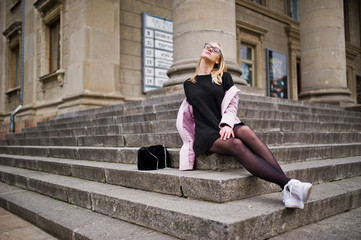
13	36
247	63
51	20
15	68
54	46
261	2
299	79
292	9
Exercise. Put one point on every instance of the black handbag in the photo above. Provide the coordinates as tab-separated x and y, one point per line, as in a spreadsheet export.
153	158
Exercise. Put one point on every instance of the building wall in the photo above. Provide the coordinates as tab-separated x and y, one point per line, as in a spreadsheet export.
353	46
273	22
101	52
2	62
130	70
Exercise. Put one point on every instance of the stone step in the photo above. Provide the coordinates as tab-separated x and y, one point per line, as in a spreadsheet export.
250	218
274	100
289	115
128	155
178	97
163	126
142	107
121	112
140	117
127	105
175	99
212	186
244	113
166	126
172	114
172	139
302	126
342	226
66	221
245	107
125	155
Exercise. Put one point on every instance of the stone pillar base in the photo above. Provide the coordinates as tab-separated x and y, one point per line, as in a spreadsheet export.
328	95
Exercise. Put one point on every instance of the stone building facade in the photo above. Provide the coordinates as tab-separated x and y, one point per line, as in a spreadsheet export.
80	54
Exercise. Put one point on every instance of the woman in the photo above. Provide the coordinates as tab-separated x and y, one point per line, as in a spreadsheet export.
207	121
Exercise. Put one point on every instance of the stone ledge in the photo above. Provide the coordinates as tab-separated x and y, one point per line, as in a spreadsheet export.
66	221
215	186
257	217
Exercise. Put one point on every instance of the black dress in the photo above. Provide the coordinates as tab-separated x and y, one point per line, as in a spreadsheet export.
206	99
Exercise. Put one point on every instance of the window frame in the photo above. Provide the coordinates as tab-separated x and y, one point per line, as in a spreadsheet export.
248	61
262	2
15	78
290	8
55	24
51	13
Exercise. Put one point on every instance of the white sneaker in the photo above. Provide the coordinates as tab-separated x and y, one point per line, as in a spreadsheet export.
290	200
301	189
296	193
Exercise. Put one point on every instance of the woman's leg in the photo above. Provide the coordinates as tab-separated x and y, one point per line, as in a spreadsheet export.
249	137
252	162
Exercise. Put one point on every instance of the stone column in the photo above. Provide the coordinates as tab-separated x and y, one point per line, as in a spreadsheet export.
196	22
94	55
323	52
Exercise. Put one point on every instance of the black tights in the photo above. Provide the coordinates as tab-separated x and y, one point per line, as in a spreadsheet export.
252	153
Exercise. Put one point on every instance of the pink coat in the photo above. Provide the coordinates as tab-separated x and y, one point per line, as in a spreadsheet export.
186	125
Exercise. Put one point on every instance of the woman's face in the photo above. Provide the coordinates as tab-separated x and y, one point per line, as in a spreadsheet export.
211	52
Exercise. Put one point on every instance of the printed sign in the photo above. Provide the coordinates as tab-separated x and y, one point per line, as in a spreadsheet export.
277	74
157	50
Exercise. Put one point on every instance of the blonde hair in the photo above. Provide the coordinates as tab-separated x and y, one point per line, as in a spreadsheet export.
217	71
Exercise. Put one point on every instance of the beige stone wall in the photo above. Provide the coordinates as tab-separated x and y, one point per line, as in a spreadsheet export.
29	62
273	20
101	51
2	61
12	10
353	46
11	13
47	93
130	69
278	6
89	57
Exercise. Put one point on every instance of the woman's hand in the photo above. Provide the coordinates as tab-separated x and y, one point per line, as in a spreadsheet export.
226	132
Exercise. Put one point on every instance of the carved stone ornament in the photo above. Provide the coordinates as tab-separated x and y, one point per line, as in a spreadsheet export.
44	6
13	31
57	75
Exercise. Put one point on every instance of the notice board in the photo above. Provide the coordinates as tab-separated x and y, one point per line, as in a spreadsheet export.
157	50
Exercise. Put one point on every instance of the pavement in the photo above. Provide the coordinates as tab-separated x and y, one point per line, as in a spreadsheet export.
13	227
345	226
342	226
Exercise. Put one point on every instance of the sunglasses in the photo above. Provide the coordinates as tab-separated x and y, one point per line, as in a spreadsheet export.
210	47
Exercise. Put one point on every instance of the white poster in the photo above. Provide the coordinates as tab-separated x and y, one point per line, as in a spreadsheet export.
157	50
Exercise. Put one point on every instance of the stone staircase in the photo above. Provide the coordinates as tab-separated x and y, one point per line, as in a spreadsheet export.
76	176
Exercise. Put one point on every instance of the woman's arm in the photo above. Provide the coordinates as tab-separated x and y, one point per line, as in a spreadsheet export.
229	116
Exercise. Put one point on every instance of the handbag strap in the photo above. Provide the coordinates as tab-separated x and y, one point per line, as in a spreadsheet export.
165	157
153	156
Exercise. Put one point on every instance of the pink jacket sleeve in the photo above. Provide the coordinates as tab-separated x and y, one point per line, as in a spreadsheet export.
185	127
230	107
